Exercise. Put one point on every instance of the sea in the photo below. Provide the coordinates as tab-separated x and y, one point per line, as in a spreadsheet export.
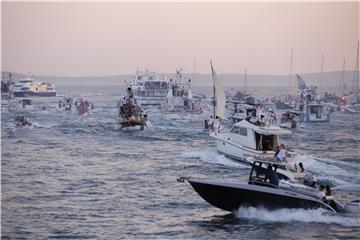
81	177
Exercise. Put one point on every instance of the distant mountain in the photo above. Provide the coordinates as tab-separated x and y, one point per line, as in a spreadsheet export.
331	79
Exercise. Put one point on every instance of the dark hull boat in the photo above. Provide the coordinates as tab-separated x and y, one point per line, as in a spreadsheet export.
230	196
262	190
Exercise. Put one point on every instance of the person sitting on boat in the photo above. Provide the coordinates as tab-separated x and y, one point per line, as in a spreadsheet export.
272	176
321	193
301	167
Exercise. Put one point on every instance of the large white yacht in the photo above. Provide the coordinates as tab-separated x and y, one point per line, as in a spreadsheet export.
149	89
29	87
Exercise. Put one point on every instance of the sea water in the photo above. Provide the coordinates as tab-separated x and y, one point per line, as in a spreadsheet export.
80	177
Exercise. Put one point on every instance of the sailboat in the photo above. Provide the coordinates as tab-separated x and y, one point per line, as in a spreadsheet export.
219	95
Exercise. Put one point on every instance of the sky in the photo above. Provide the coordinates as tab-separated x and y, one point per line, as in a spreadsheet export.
94	39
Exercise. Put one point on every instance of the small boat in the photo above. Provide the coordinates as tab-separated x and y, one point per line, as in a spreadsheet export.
262	190
21	121
242	111
289	119
65	104
83	107
130	113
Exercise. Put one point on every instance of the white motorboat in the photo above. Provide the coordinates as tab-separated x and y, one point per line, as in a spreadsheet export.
247	142
315	112
24	104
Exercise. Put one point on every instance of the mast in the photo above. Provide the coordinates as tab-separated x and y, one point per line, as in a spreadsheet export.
342	77
322	74
194	70
290	84
245	82
356	72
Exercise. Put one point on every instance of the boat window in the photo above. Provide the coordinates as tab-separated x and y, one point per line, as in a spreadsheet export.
239	130
313	110
243	131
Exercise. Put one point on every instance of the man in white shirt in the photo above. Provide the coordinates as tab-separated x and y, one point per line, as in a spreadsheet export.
281	156
216	125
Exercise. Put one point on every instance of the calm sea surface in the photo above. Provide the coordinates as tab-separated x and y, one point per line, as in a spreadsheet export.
80	177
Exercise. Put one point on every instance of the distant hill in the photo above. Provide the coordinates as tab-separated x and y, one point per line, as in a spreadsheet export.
331	79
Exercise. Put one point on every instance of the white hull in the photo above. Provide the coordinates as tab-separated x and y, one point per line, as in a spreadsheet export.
231	149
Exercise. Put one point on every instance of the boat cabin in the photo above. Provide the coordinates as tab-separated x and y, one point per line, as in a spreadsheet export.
25	102
315	113
259	138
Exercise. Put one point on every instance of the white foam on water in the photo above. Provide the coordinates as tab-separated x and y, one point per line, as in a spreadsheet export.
212	156
297	215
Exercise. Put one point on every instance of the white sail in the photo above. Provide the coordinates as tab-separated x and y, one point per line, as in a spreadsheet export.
219	95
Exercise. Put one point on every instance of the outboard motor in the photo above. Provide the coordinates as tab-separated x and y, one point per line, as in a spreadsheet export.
293	124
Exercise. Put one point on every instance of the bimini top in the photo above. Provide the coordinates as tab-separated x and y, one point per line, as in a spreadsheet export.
265	130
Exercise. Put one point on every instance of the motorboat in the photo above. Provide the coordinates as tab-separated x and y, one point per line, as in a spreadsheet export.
83	107
315	112
65	103
262	190
21	121
289	119
130	113
242	111
247	142
24	104
29	87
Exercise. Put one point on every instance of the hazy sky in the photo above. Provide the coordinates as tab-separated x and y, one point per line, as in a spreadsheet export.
82	39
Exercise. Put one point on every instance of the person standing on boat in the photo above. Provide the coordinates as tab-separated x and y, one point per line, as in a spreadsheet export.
216	125
210	124
281	156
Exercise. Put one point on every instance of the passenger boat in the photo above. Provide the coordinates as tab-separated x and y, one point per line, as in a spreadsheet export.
180	97
29	87
262	190
6	90
130	113
149	89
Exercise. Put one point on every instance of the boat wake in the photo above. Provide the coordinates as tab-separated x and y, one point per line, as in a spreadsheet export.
211	156
329	170
297	215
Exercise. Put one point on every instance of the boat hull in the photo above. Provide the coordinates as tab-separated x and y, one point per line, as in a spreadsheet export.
37	94
231	198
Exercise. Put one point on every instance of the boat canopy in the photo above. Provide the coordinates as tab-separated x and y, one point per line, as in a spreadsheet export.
265	130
